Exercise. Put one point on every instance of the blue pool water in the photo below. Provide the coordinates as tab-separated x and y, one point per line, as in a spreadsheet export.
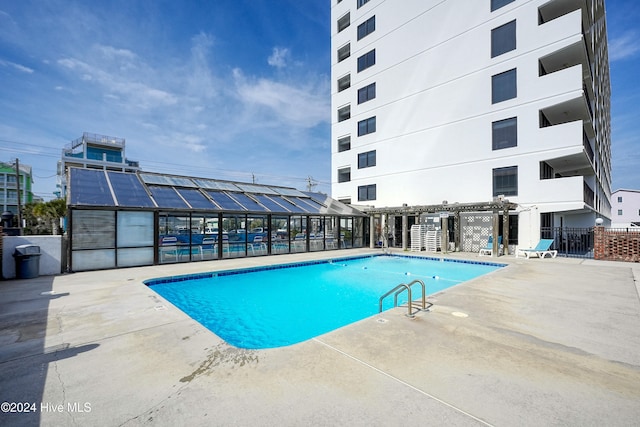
281	305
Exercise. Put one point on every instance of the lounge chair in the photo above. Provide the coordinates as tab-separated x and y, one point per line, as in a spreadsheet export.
541	249
488	250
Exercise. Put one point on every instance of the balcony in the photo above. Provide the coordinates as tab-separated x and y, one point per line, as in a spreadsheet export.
576	109
588	195
569	56
556	8
96	139
568	191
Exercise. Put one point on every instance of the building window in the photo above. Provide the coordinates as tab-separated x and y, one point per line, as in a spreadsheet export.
546	171
367	160
367	93
367	126
362	3
344	113
344	83
505	133
367	27
505	181
497	4
503	39
344	52
344	175
344	143
546	220
344	22
619	211
504	86
367	60
619	199
366	192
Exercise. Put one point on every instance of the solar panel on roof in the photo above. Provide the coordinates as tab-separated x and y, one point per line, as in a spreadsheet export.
89	187
224	201
269	203
210	184
129	190
290	206
253	188
248	203
311	204
196	199
176	181
288	191
166	197
153	179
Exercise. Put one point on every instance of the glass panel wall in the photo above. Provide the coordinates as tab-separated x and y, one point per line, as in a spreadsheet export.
135	238
234	236
316	238
331	233
257	235
112	238
298	233
174	237
346	232
358	232
203	237
93	239
279	234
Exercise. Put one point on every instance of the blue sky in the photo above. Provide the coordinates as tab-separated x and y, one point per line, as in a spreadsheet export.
230	89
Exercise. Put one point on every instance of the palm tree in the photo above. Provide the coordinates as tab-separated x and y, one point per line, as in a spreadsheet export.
52	211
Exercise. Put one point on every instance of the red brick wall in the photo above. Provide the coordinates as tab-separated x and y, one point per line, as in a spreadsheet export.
616	245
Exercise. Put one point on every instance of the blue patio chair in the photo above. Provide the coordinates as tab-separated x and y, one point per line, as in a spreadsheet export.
488	250
541	249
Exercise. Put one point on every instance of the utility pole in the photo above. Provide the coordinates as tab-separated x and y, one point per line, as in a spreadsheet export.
310	183
19	201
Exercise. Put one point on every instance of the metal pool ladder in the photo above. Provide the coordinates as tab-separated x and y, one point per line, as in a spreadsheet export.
399	289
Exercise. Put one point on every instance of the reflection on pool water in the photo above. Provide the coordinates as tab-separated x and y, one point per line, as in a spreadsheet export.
282	305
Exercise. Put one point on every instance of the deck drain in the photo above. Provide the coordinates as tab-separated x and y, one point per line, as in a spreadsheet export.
459	314
160	307
381	320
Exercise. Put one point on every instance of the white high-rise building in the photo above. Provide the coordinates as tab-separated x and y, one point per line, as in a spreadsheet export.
470	100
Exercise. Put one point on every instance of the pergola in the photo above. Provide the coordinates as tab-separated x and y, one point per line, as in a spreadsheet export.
496	207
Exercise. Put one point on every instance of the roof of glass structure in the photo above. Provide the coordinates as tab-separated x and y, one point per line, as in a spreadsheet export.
144	190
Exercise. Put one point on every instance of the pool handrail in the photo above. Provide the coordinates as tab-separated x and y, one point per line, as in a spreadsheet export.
395	302
399	289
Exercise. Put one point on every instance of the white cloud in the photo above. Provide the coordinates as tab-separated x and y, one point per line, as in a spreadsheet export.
279	57
624	46
111	77
18	67
200	79
295	105
112	52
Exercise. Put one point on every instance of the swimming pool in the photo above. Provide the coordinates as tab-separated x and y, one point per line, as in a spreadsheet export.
281	305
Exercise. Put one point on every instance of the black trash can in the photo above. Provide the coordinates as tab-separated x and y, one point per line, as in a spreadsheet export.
27	261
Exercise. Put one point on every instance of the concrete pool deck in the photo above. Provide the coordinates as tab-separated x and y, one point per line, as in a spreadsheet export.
544	342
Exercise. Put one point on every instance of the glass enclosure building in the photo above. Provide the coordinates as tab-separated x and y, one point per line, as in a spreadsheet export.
122	219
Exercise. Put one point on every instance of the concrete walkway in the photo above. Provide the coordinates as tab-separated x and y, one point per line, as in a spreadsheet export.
540	342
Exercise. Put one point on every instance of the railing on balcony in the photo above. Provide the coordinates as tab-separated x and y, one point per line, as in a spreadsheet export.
96	138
